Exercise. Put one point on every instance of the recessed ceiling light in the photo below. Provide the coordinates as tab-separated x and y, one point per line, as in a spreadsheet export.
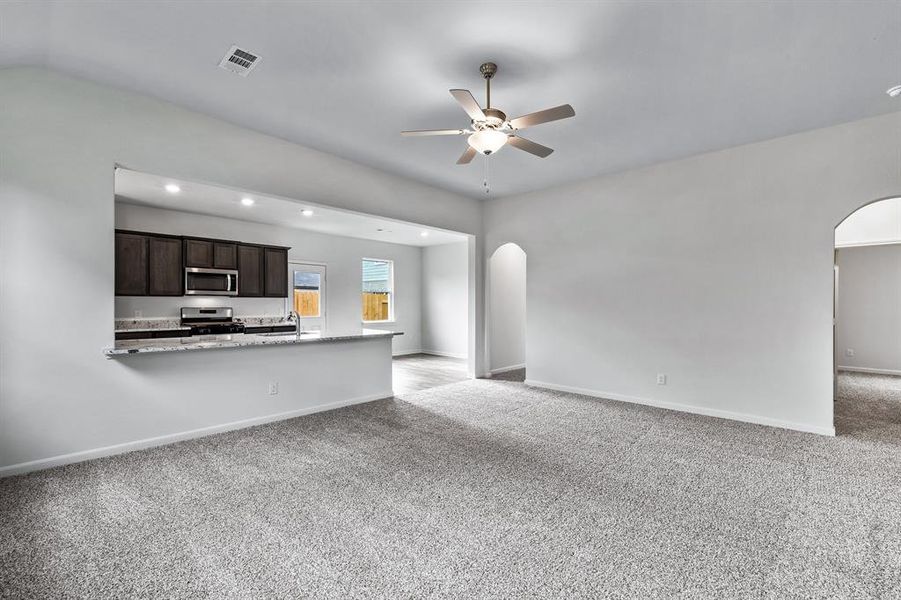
894	92
247	201
172	188
307	212
424	234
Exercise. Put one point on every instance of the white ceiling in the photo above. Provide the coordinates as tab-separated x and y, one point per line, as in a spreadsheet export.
650	81
133	187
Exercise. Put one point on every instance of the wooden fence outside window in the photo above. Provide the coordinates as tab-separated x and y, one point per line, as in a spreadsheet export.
376	306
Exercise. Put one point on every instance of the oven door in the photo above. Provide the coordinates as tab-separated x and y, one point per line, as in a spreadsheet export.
211	282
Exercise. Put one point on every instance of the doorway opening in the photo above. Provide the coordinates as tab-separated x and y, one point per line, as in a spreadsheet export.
507	313
867	317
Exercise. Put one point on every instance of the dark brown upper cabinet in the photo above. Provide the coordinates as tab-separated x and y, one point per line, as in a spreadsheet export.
198	253
165	270
131	264
250	270
275	272
211	254
225	255
153	264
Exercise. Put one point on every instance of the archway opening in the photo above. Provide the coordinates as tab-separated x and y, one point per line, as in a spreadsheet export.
507	313
867	315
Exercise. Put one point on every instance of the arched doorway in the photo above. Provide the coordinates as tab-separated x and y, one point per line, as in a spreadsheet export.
507	312
867	313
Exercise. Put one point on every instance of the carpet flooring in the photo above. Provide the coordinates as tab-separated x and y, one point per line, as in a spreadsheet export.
474	490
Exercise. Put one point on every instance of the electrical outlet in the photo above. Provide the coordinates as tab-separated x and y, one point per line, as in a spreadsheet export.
273	388
849	352
138	314
661	378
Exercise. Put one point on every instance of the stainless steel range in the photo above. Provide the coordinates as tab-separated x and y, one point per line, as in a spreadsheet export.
218	320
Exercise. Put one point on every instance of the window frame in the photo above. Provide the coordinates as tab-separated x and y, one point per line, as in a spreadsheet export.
391	308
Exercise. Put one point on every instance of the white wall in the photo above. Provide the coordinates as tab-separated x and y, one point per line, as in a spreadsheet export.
59	141
869	308
877	223
342	255
715	270
445	299
507	308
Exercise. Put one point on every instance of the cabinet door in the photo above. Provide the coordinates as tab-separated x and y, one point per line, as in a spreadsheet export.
275	265
166	274
198	253
131	264
250	271
225	255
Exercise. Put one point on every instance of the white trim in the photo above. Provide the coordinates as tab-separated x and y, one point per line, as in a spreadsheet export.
65	459
500	370
430	352
688	408
444	354
869	370
406	352
862	243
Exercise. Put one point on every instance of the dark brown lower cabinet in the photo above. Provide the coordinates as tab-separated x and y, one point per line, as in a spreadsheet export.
250	270
165	272
275	272
131	264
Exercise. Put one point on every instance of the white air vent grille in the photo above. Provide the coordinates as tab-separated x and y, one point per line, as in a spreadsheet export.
239	61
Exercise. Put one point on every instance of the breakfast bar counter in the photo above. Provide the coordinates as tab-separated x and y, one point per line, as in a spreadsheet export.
185	344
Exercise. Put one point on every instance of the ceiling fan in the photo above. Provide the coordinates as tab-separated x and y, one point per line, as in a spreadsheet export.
491	130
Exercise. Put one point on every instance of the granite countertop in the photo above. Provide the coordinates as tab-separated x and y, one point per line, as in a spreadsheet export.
148	346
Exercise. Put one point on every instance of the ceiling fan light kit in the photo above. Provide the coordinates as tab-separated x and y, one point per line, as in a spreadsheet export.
490	130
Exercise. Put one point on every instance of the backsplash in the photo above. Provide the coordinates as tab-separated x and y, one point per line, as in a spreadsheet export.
155	308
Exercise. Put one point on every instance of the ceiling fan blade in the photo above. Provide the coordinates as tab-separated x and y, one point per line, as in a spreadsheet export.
434	132
467	156
529	146
469	104
564	111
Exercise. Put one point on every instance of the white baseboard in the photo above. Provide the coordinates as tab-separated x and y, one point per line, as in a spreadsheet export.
406	352
688	408
871	371
506	369
444	354
65	459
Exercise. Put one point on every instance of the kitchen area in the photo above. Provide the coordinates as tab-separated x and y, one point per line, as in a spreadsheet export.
233	308
153	264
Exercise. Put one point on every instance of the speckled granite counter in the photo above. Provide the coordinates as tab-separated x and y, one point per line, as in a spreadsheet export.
146	346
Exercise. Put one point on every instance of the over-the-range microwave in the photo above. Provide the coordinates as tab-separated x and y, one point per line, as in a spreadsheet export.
210	282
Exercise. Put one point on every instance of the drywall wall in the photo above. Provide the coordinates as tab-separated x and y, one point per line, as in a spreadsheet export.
869	308
506	308
59	141
714	270
341	255
445	299
876	223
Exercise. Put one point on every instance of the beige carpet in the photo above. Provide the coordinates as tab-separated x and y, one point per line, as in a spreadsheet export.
474	490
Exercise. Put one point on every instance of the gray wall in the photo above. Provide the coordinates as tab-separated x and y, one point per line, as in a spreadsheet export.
715	270
445	299
507	308
342	255
869	308
59	141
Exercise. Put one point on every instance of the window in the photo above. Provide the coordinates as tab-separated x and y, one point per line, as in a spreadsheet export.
378	290
306	293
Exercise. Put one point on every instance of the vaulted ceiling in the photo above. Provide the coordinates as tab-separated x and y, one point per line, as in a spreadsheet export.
650	81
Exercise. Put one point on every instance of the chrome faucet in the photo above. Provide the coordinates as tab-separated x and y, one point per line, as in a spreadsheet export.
295	318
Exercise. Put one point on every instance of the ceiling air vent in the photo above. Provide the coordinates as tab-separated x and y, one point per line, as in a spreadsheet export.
239	61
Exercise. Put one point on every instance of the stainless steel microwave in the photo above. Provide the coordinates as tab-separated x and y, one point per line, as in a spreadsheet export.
211	282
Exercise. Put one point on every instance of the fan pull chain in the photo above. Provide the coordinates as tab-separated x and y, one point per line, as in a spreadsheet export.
485	183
